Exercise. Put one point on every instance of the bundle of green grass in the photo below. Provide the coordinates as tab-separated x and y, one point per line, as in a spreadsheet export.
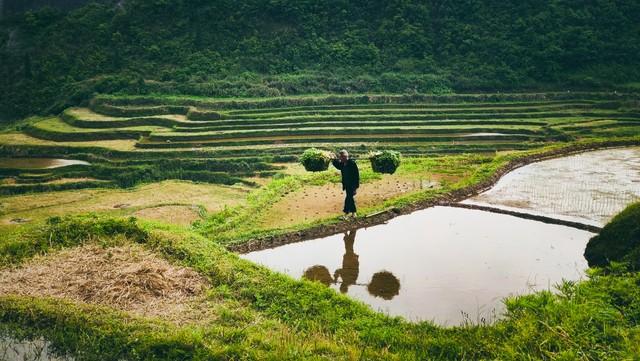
315	160
386	161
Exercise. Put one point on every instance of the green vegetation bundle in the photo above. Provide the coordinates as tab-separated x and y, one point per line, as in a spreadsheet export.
315	160
386	161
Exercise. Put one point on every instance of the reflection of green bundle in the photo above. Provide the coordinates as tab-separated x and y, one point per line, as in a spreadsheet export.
318	273
315	160
384	284
386	161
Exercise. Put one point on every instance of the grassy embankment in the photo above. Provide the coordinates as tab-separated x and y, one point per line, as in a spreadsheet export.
259	314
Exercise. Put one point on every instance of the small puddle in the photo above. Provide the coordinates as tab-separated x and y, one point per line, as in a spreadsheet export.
34	350
590	187
449	265
38	163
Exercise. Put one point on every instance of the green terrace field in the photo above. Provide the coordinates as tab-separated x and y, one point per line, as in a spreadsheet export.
229	141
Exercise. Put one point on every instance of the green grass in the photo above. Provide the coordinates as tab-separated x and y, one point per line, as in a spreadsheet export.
271	316
342	99
424	107
81	118
444	112
57	130
451	131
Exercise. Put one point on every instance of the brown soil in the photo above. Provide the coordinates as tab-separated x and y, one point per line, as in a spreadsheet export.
441	177
128	278
316	202
181	215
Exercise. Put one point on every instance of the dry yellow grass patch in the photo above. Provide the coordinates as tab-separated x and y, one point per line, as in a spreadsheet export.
70	180
15	138
124	201
128	278
88	114
181	215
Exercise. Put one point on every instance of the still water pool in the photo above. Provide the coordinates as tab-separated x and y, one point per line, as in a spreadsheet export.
445	264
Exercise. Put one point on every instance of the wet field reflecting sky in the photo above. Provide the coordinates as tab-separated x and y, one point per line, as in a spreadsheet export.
443	264
589	187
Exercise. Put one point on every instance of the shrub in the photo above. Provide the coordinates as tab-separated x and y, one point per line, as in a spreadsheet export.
315	160
386	161
618	241
199	115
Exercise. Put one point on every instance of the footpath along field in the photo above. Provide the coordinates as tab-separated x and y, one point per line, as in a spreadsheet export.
204	176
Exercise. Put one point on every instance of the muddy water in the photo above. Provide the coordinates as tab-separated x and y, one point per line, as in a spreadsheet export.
449	265
589	187
38	163
37	350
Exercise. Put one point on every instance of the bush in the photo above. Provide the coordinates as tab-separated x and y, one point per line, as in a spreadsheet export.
386	161
199	115
619	240
315	160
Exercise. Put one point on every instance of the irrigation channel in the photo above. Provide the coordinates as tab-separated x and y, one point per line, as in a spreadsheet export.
454	265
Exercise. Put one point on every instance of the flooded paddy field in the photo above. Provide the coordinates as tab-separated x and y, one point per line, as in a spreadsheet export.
449	265
38	163
589	187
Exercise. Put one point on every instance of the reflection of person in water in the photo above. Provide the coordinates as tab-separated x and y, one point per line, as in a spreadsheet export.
383	284
350	264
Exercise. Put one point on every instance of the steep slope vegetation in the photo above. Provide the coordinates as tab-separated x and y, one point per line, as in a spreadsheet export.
255	48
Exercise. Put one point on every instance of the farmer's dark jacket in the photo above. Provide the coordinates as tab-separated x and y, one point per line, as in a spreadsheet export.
350	173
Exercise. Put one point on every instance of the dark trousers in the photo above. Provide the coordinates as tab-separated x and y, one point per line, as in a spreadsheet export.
349	202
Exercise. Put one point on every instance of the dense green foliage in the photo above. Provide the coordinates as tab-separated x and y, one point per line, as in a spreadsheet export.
386	161
315	160
49	58
619	240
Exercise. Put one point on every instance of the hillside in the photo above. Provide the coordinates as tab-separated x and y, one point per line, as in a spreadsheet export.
13	7
51	59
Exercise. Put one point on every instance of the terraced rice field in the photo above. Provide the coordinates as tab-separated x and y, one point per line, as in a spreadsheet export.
239	140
